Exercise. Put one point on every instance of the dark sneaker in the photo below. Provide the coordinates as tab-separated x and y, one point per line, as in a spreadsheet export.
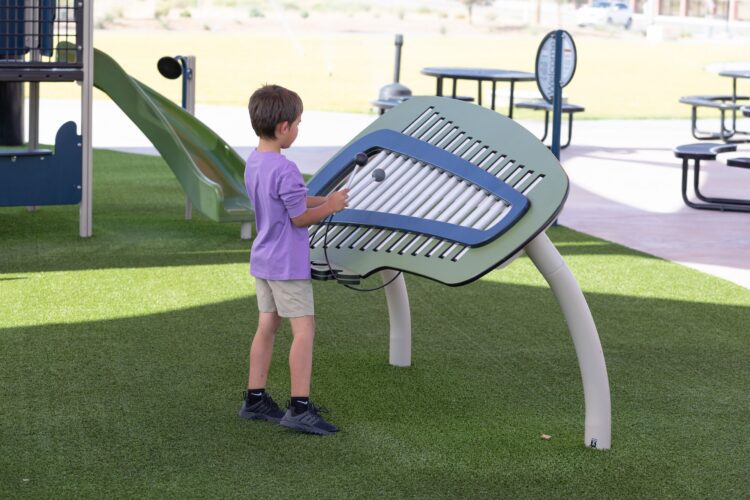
265	409
308	421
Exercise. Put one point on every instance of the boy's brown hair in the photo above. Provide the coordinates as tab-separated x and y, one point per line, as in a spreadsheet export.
271	105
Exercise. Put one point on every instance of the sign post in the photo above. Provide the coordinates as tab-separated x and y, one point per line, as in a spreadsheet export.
173	68
555	66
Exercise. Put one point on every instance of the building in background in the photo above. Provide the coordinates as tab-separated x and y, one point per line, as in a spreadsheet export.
730	10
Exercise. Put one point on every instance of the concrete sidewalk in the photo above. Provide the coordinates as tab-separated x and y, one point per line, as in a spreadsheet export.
625	182
625	188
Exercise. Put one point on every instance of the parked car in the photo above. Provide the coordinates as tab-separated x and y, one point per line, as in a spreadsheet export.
602	12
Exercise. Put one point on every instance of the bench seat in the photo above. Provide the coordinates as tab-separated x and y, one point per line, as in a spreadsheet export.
739	162
725	102
24	152
709	151
542	105
703	150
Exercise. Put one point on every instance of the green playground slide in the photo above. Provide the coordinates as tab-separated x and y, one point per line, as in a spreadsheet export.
209	170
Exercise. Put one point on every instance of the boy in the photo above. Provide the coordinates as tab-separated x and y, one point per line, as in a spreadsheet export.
280	259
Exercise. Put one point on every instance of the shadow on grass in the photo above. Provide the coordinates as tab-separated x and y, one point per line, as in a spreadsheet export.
89	407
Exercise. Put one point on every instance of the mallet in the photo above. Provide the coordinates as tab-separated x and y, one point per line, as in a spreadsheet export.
378	175
360	160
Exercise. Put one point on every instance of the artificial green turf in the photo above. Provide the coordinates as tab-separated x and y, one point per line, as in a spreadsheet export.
123	358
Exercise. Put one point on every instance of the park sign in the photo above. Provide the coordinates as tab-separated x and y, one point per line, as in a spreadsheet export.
545	64
555	65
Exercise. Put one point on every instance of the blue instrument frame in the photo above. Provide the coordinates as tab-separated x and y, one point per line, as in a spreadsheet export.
390	140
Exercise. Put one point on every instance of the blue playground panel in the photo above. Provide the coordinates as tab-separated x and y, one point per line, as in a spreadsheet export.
39	177
13	26
11	29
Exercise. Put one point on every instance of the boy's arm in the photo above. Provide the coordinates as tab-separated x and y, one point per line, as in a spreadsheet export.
314	201
335	202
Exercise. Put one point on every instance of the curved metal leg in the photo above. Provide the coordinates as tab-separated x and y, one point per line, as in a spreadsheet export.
717	204
703	135
684	186
709	199
546	126
399	315
570	131
598	422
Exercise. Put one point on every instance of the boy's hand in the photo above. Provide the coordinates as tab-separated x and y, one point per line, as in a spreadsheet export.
338	200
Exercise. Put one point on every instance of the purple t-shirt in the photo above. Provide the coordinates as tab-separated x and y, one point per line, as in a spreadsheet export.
277	190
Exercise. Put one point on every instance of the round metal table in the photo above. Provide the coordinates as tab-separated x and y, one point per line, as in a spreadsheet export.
480	75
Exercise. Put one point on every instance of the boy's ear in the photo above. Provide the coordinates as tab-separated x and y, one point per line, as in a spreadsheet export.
282	128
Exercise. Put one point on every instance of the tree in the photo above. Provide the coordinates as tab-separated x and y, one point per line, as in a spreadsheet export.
538	15
470	4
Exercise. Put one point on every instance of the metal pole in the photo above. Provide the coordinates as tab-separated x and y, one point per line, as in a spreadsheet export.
33	115
397	68
87	89
246	231
557	99
188	103
32	41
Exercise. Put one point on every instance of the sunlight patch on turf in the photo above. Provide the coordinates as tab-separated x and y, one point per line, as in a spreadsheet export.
88	295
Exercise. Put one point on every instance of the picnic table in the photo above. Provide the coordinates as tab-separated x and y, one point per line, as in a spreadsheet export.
724	104
735	74
479	75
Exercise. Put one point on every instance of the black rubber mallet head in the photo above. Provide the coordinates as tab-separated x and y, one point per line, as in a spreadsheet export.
360	159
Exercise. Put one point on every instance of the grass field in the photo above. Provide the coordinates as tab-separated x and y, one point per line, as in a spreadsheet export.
615	77
124	356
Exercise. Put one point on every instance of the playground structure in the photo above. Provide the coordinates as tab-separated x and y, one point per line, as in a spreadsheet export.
49	41
451	191
60	48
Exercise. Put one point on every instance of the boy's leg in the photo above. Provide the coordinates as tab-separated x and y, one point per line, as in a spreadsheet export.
302	415
262	349
300	354
294	299
257	404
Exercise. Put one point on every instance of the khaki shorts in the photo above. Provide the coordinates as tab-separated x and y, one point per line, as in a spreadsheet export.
287	298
